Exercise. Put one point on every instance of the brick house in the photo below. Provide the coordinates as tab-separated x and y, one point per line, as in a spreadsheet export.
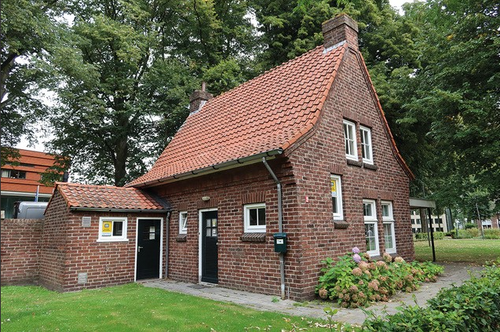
302	150
311	129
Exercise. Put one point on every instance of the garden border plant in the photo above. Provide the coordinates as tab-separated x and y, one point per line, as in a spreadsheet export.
473	306
356	280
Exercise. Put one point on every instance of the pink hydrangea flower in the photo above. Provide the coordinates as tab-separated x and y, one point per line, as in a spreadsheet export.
357	258
355	250
357	271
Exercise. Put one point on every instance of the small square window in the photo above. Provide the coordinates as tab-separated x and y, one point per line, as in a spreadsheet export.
336	191
366	145
183	222
255	218
351	147
112	229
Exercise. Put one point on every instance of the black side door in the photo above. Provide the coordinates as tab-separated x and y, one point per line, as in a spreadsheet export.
148	248
209	252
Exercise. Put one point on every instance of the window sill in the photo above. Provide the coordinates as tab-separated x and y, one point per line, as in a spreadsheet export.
370	166
112	240
340	224
253	237
181	238
354	163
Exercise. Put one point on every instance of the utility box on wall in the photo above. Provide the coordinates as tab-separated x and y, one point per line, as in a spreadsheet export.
279	242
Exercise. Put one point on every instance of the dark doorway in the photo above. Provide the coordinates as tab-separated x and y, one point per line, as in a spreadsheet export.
148	248
209	252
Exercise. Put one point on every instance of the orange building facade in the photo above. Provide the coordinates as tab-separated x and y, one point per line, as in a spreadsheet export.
20	182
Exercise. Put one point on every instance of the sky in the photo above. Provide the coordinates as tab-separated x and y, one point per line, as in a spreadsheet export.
40	146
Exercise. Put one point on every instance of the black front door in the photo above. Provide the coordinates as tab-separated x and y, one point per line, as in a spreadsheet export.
148	248
209	252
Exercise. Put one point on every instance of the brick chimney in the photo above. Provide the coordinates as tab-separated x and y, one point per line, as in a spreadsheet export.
338	29
199	98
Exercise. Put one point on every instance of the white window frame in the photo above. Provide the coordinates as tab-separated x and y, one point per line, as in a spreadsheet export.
389	220
366	144
183	215
112	238
252	228
338	194
350	142
372	220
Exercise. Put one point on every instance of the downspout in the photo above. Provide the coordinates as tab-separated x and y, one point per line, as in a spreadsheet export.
280	225
166	244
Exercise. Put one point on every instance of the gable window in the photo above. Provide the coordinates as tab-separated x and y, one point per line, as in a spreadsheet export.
112	229
183	215
371	232
351	148
366	144
336	190
255	218
389	234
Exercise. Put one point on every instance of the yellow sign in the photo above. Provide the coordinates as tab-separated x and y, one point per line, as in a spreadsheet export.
334	186
107	228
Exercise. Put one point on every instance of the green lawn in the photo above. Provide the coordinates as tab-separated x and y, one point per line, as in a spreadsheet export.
131	308
475	251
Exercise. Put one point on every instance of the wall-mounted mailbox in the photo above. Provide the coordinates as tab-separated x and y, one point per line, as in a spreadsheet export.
279	242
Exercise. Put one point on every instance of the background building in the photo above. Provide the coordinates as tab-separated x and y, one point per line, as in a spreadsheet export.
20	181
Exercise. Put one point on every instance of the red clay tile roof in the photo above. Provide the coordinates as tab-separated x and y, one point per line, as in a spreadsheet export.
267	113
94	197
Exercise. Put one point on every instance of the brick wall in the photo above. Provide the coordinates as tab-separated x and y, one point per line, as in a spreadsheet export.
20	251
323	154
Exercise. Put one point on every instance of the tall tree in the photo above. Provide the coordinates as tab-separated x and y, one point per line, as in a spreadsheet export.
127	78
29	31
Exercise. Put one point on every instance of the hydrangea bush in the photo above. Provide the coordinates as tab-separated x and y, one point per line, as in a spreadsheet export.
355	280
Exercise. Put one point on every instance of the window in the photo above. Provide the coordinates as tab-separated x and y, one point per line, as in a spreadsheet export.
351	148
389	234
371	232
336	189
112	229
366	144
183	216
12	173
255	218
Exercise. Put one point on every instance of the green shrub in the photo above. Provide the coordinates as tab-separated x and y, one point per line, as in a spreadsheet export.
492	233
355	280
423	236
470	226
474	306
466	233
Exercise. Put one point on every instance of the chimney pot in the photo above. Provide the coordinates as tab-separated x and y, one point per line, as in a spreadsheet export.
338	29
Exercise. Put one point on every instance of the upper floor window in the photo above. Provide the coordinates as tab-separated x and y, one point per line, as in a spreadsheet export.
336	190
366	144
351	148
14	174
255	218
183	222
112	229
371	229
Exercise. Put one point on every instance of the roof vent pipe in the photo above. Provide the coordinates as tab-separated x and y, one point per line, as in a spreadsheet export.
280	224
